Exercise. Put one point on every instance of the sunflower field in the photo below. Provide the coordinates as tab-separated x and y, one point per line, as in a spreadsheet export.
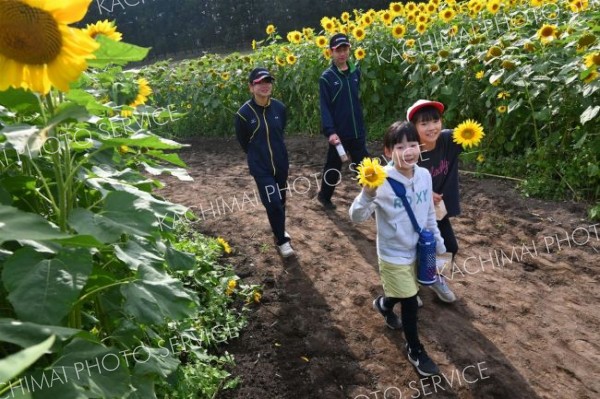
107	291
527	70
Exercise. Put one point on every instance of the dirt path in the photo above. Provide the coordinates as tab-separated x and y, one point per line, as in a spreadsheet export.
525	325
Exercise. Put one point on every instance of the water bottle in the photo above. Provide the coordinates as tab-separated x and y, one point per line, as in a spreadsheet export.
426	260
341	152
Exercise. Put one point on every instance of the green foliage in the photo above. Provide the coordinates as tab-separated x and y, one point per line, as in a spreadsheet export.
94	265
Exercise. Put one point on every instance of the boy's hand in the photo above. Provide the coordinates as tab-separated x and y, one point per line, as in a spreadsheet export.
334	139
437	198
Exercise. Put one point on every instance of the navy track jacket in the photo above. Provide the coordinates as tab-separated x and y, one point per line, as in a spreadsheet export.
341	112
260	133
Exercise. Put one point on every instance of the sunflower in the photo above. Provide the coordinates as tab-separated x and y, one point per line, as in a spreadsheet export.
345	16
231	284
321	41
447	14
225	245
327	24
256	296
397	9
434	68
537	3
578	5
225	76
294	37
443	53
291	59
453	31
254	44
144	90
270	29
493	6
386	17
105	28
480	158
585	40
359	33
501	109
398	31
547	33
508	65
279	61
370	173
592	59
123	149
528	46
479	75
327	53
367	20
593	75
308	33
431	8
360	53
469	133
410	6
503	95
421	28
410	43
38	48
494	51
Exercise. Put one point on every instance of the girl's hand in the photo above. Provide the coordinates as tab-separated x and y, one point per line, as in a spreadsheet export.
437	198
371	192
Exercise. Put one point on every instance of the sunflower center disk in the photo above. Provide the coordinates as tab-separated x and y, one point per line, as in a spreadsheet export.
371	174
468	134
28	34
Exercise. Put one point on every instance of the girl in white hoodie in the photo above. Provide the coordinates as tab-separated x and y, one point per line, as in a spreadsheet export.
397	238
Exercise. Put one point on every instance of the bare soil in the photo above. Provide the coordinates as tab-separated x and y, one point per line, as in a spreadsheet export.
526	323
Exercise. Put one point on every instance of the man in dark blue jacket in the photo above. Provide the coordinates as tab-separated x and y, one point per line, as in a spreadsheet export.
341	115
259	126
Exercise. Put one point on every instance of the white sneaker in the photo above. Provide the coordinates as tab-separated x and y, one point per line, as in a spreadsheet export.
285	250
419	302
442	290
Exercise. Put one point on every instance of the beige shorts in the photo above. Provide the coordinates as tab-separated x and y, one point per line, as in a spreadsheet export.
399	281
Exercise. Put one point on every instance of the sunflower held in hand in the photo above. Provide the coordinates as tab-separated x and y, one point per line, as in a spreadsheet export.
370	173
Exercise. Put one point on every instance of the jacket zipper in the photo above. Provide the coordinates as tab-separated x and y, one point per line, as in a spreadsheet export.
269	140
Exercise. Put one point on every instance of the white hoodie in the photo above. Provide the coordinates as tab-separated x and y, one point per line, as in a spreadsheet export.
396	236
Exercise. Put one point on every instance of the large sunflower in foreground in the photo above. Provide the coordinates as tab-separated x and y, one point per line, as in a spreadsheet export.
468	134
371	173
38	48
105	28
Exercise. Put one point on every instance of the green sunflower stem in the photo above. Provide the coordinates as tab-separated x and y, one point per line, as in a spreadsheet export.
535	128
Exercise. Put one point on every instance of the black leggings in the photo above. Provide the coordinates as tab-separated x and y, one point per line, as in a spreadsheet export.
409	318
448	235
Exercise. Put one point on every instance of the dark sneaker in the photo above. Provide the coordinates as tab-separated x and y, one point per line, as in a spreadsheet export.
422	362
327	204
391	320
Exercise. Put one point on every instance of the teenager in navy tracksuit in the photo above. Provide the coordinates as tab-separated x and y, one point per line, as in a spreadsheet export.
259	126
341	115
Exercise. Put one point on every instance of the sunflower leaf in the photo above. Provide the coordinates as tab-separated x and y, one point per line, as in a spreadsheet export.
119	53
